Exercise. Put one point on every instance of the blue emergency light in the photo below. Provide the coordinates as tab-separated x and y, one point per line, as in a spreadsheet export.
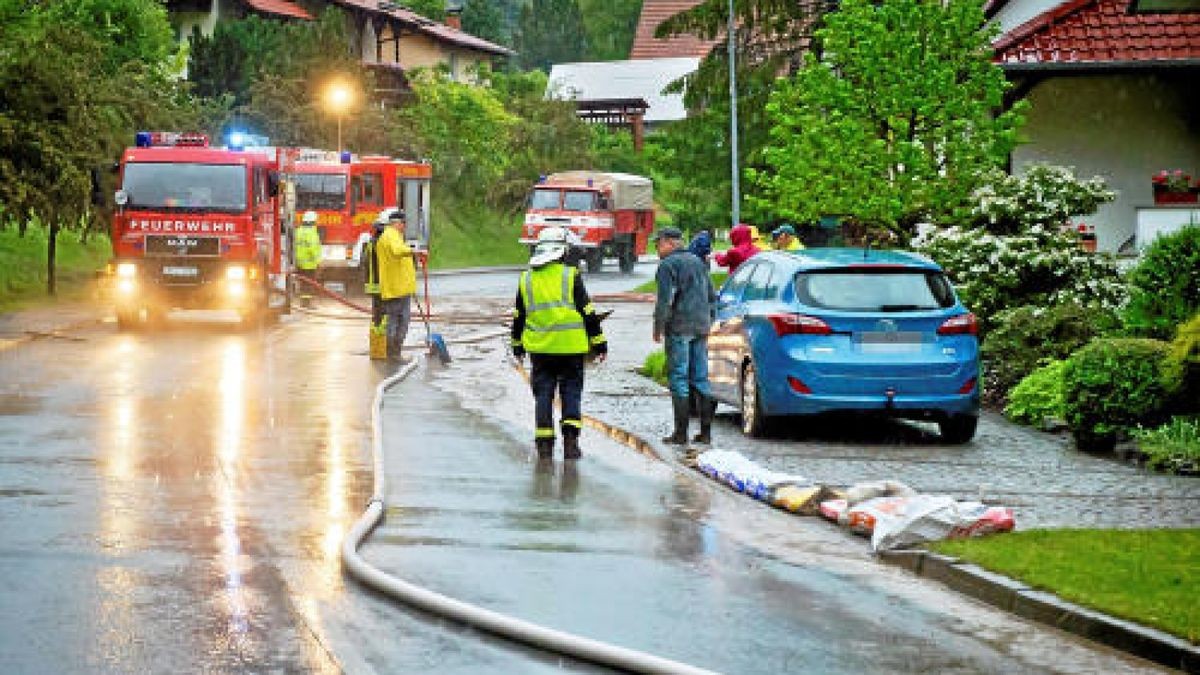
143	139
237	140
345	157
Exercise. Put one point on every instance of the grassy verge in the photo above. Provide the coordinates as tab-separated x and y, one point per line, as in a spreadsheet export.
718	278
655	367
23	265
1146	576
473	235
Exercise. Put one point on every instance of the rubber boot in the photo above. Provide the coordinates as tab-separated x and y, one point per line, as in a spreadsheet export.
571	447
707	407
680	406
545	448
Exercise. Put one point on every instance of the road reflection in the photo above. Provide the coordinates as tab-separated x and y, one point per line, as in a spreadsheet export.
232	393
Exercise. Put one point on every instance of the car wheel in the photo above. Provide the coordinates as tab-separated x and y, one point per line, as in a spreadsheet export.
595	260
754	422
628	259
958	429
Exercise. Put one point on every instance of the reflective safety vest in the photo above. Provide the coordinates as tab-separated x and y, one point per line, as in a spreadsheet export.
308	247
370	268
552	323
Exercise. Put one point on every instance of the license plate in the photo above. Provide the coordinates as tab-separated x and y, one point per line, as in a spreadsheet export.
890	341
171	271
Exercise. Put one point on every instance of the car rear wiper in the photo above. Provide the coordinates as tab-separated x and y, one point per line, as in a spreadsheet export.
901	308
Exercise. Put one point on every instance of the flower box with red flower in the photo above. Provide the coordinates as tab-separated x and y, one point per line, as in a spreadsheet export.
1087	236
1174	187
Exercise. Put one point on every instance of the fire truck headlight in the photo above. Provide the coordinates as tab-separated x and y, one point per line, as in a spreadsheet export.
125	285
126	270
236	289
235	273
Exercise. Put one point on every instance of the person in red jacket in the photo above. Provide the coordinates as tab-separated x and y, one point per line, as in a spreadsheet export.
743	248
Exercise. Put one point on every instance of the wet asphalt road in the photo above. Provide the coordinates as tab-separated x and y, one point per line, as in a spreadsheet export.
174	502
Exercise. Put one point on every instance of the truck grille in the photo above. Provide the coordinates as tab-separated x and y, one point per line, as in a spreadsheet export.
182	245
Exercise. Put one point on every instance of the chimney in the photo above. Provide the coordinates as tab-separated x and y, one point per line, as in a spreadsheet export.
454	14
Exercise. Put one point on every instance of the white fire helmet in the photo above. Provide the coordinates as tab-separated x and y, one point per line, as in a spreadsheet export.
552	244
388	215
309	218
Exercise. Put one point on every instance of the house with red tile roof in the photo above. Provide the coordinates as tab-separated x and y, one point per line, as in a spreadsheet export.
646	46
1114	91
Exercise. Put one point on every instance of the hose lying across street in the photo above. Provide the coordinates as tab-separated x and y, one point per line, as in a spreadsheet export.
541	637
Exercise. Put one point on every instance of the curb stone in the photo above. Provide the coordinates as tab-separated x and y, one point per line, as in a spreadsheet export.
1013	596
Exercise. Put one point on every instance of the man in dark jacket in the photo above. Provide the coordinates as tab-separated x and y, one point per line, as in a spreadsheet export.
683	314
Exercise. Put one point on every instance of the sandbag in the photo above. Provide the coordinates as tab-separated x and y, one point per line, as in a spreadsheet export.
921	521
804	500
861	492
834	509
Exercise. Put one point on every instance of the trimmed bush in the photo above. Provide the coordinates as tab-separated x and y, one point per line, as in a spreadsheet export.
1027	337
1183	362
1164	288
1038	397
1113	385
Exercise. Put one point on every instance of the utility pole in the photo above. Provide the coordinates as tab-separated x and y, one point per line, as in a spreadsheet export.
735	212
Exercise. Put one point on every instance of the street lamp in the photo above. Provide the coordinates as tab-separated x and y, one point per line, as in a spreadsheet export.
735	188
337	98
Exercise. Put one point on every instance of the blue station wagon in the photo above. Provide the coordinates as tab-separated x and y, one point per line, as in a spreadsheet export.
839	329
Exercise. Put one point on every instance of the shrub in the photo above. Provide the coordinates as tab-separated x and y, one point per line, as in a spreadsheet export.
1039	396
1164	288
655	367
1027	337
1183	361
1044	266
1113	385
1042	195
1175	446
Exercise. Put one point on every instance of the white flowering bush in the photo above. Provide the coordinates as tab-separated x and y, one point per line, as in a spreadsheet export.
1043	266
1044	195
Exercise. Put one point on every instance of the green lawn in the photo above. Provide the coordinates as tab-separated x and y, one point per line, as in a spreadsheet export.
23	265
466	235
1148	576
651	286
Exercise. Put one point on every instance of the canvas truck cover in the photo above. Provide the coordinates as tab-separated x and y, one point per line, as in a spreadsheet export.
628	191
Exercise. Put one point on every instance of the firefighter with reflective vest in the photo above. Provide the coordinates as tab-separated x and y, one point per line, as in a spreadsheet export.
555	323
370	265
308	245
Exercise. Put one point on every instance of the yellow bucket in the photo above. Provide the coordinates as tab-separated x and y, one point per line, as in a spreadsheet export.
378	341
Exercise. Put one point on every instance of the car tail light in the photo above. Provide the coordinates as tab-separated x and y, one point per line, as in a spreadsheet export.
963	324
968	387
798	386
798	324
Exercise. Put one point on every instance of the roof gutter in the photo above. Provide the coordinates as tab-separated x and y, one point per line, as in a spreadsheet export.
1093	67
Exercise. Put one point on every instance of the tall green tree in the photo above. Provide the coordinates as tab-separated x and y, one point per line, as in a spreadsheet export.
485	19
550	32
896	121
610	25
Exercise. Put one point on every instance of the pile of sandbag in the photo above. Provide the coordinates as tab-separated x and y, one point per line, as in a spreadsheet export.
895	516
892	514
787	491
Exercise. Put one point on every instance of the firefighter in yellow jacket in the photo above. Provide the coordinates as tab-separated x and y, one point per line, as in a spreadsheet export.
554	322
308	245
397	281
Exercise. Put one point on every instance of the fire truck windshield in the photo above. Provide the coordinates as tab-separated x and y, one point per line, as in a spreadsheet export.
575	200
320	192
545	199
185	187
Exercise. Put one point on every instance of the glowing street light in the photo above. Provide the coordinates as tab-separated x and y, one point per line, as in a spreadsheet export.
338	97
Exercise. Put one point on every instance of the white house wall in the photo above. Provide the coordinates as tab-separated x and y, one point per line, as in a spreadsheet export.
1121	127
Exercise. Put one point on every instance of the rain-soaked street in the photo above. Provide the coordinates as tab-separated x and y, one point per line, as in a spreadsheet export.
174	501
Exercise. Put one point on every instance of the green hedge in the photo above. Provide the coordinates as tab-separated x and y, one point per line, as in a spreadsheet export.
1164	288
1183	361
1027	337
1113	385
1039	396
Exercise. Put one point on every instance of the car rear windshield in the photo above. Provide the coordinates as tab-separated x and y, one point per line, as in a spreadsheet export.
901	290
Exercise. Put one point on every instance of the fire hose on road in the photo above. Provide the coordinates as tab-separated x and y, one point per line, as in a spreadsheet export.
541	637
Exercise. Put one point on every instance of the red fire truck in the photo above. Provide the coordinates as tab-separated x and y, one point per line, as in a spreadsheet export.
201	227
348	191
612	213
